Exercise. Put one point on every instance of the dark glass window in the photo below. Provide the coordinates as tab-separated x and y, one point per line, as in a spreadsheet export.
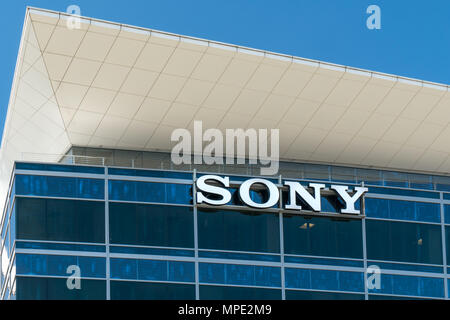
383	297
238	293
151	225
30	288
60	220
131	290
150	192
404	241
447	240
240	231
322	236
67	187
404	192
317	295
402	210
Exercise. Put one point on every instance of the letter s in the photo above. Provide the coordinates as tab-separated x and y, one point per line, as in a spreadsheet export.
203	186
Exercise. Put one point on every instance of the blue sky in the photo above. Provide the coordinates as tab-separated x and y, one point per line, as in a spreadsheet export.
414	39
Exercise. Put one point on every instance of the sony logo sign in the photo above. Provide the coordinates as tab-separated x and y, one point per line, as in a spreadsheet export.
216	186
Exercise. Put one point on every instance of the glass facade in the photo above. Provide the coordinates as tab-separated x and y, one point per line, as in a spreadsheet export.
137	234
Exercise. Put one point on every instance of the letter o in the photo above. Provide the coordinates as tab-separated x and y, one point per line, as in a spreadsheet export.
244	193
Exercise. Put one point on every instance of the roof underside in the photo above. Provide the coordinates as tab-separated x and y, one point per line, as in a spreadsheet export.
115	86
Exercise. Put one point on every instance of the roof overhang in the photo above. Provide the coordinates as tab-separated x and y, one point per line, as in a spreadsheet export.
115	86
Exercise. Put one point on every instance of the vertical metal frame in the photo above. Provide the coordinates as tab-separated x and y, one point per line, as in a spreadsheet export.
108	267
194	199
444	244
280	216
364	243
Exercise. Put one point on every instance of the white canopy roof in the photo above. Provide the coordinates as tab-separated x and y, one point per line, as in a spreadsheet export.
115	86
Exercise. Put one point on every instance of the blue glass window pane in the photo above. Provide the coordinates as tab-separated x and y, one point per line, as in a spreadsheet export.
318	295
238	256
150	173
123	268
59	187
430	212
154	270
150	192
212	273
13	228
420	181
240	274
404	192
442	183
59	246
369	176
427	186
448	287
402	210
378	208
324	261
152	251
56	265
443	187
92	267
406	267
181	271
410	285
59	167
395	179
324	280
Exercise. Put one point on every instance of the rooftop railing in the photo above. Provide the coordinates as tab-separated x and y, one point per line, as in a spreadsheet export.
293	170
